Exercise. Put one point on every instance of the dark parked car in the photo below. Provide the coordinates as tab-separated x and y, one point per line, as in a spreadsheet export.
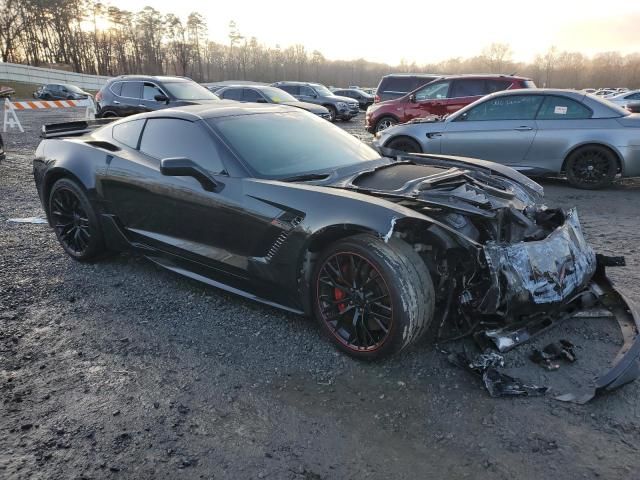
56	91
363	98
441	97
268	94
280	206
340	108
130	94
396	85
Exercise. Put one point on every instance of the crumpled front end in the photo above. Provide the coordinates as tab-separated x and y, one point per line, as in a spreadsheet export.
529	276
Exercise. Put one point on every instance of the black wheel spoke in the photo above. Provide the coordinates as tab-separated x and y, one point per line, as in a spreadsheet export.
354	301
72	223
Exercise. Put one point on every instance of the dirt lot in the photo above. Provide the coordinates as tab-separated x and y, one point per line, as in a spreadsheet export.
121	370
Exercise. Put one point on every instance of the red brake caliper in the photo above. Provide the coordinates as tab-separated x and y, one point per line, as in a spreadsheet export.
339	295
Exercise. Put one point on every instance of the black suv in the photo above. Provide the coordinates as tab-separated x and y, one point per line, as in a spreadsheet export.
58	91
363	98
396	85
130	94
340	108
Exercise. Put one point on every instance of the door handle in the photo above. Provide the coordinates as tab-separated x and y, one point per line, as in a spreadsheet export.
141	106
523	128
434	134
116	102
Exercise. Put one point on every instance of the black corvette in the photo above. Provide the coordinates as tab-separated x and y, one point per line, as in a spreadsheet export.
278	205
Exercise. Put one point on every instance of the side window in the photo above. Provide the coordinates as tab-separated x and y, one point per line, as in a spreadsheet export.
512	107
116	88
149	91
306	91
128	133
195	143
292	89
496	86
250	95
634	96
232	94
433	91
132	89
562	108
471	87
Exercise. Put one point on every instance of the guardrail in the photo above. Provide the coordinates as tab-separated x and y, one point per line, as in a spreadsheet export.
28	74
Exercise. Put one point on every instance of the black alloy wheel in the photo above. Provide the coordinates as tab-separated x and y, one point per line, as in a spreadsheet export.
591	168
74	221
372	298
355	301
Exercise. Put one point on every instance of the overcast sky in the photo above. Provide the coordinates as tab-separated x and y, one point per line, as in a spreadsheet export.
422	31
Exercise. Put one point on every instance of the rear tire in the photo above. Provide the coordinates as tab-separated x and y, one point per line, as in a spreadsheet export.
404	144
109	114
591	167
372	298
75	221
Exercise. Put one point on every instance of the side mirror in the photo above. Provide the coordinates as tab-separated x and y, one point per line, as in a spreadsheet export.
183	167
412	98
161	98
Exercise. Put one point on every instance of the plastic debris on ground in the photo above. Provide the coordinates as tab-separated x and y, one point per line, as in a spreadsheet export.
497	383
36	220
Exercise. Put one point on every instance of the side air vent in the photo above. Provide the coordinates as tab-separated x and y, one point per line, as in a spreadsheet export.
291	225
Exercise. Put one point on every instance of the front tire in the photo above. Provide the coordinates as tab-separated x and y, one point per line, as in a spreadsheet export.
384	123
75	221
333	113
591	167
372	298
404	144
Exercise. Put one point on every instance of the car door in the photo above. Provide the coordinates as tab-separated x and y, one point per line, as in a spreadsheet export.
252	95
130	100
561	122
232	94
149	102
500	129
307	94
176	214
428	100
465	91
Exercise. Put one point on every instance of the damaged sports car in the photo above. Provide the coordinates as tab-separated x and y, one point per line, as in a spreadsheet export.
381	247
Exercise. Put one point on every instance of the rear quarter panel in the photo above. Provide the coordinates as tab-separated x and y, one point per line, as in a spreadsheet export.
556	139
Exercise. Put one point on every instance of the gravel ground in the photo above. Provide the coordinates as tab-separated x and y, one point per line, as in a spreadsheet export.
122	370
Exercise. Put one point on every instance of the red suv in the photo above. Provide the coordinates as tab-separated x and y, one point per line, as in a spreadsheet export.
439	97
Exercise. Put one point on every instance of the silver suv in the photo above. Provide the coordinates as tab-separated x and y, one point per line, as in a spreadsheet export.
340	108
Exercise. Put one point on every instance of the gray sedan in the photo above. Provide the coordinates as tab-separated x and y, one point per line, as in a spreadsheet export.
539	132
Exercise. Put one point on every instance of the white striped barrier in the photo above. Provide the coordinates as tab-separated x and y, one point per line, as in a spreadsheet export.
10	108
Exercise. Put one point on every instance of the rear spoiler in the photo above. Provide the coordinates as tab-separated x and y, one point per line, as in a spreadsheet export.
73	129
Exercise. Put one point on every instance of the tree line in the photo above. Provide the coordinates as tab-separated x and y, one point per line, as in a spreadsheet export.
90	37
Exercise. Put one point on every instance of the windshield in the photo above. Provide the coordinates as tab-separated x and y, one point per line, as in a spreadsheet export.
286	144
278	96
321	90
73	88
189	91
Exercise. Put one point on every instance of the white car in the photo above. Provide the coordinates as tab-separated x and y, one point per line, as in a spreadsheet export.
623	99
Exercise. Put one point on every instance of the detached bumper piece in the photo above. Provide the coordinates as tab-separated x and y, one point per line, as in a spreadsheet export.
589	303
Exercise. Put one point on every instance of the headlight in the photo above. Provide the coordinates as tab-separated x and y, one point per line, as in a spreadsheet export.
342	105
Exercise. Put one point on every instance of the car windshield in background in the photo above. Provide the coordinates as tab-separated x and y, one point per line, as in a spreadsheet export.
277	95
321	90
293	143
189	91
73	88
